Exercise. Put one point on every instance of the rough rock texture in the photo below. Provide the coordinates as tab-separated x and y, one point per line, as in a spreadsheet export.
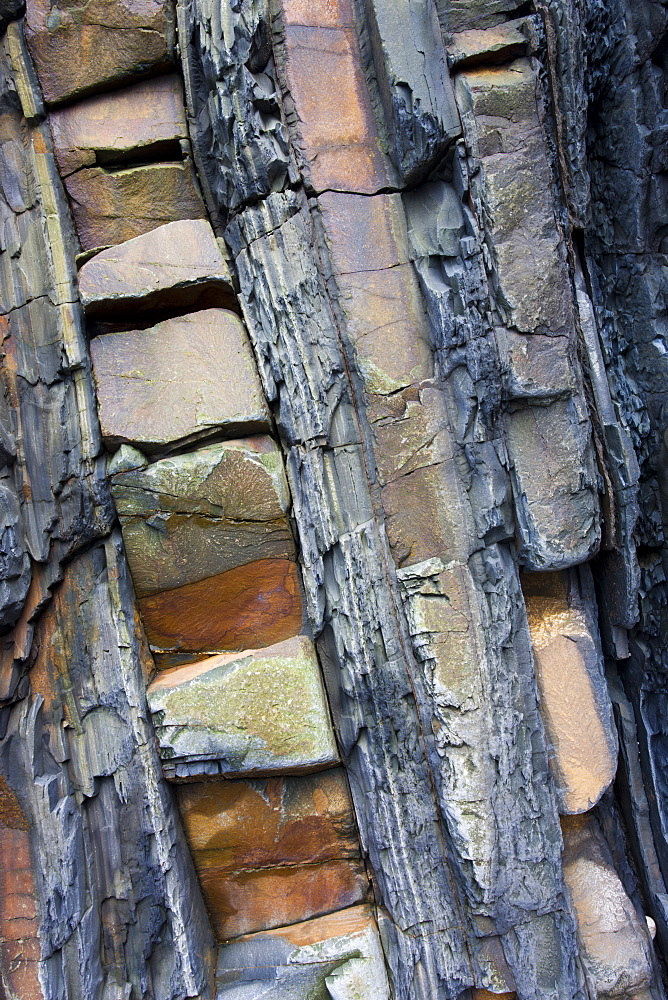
301	859
444	221
258	712
182	378
129	124
81	49
167	266
338	956
200	514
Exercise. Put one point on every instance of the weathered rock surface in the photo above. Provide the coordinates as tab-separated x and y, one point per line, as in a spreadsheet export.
180	379
340	954
130	123
336	137
78	50
198	515
258	712
252	606
302	858
500	44
19	920
575	704
161	268
112	206
613	937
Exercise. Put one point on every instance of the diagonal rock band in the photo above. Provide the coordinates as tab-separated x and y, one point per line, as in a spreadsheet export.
333	562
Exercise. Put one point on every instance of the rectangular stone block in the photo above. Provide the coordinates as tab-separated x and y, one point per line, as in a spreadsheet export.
575	705
178	380
503	128
476	46
112	206
614	943
338	956
78	50
253	606
168	266
134	120
364	234
302	857
257	712
200	514
555	483
459	15
536	367
333	123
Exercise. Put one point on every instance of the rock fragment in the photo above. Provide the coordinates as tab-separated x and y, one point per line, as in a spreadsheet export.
258	712
338	956
575	704
615	945
200	514
130	122
177	380
78	50
113	206
160	268
302	859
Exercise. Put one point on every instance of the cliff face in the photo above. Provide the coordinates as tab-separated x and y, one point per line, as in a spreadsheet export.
334	491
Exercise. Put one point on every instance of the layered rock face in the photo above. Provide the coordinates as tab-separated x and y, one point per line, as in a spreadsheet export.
333	564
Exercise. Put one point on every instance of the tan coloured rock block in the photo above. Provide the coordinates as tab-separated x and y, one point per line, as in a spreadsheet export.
424	514
113	206
488	995
179	379
337	135
614	942
256	712
503	127
304	841
81	49
255	605
536	367
386	322
200	514
574	705
364	234
338	956
156	269
107	127
476	46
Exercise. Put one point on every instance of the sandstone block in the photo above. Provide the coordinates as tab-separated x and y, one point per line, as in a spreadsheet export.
179	379
339	956
258	712
575	704
105	128
536	367
304	841
499	44
200	514
554	483
161	268
459	15
81	49
614	941
364	234
255	605
385	320
501	116
112	206
321	64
